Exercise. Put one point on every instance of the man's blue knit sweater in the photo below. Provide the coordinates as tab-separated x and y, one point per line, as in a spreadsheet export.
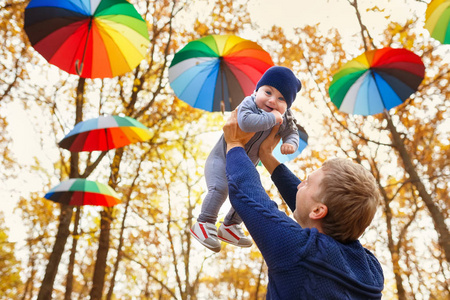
302	263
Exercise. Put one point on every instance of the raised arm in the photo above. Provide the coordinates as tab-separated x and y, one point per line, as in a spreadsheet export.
260	214
285	181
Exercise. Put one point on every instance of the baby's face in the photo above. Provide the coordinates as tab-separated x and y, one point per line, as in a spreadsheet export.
269	98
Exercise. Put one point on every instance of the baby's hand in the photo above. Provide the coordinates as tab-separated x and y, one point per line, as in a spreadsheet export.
278	117
287	148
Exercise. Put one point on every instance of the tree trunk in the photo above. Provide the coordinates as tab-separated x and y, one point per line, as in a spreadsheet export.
122	230
65	217
119	255
98	280
436	214
395	255
55	257
69	280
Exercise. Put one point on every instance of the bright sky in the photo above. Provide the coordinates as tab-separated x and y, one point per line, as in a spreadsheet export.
331	13
297	13
265	13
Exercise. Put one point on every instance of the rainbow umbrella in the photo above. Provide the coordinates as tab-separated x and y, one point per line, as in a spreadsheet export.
90	38
216	72
437	19
104	133
78	191
376	80
302	143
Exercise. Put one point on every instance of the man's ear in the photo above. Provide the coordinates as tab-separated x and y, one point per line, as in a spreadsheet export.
319	212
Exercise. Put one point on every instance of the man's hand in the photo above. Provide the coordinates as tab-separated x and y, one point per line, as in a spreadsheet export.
270	142
234	136
266	149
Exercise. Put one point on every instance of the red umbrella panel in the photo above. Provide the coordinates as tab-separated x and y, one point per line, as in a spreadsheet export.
105	133
79	191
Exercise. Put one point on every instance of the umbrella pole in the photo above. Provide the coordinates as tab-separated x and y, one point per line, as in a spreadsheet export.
222	102
78	64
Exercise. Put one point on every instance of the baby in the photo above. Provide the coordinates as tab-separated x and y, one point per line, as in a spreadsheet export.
259	113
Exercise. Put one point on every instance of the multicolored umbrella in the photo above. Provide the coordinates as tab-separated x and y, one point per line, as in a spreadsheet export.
437	20
104	133
303	142
216	72
91	38
376	80
78	191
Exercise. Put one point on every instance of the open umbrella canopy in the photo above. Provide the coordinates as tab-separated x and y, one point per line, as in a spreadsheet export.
78	191
216	72
376	80
105	133
302	143
437	20
90	38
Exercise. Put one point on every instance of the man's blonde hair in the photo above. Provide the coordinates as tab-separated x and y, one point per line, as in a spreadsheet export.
352	195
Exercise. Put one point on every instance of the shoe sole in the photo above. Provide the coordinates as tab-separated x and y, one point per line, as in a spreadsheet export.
205	244
233	243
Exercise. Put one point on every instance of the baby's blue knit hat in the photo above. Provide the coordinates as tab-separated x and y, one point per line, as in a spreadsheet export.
284	80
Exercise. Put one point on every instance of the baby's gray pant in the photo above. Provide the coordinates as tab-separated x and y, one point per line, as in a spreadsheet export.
217	183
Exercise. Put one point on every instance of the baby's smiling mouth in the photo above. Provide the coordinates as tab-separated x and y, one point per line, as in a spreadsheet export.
268	109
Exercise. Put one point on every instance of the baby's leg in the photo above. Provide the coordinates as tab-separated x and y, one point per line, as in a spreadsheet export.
232	218
217	183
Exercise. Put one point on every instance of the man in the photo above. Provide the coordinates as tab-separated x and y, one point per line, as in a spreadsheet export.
317	255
